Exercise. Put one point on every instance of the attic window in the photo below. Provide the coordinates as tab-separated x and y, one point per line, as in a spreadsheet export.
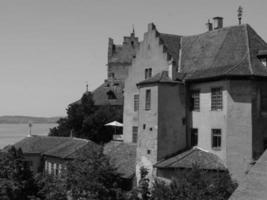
111	95
262	55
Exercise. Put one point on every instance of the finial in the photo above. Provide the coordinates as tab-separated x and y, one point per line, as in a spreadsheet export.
239	14
30	129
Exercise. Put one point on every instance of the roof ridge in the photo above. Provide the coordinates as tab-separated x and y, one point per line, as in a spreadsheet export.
248	49
186	154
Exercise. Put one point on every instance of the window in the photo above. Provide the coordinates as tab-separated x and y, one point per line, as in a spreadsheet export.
144	126
195	100
194	136
148	100
135	132
216	99
148	73
111	95
148	151
264	61
216	138
136	102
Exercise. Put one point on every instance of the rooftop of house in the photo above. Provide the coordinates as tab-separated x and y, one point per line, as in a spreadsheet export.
228	51
122	156
254	185
204	159
161	77
61	147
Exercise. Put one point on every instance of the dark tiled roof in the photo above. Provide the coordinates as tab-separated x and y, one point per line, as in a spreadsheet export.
254	185
204	159
230	51
161	77
62	147
70	149
171	44
122	156
100	94
101	97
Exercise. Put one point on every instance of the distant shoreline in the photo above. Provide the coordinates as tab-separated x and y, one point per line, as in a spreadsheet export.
28	119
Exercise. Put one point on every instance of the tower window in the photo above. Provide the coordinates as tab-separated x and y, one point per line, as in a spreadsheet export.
136	102
135	134
148	73
194	136
148	100
216	99
195	100
216	138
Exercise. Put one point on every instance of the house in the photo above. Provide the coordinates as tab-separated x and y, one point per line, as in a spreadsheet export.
207	90
120	58
49	154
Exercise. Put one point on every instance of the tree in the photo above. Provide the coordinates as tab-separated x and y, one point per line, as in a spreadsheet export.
195	184
16	178
91	176
85	120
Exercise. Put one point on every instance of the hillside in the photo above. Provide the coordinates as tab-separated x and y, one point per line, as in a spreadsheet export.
27	119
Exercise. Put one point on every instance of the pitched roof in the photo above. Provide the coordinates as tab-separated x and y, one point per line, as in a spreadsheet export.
171	44
49	145
161	77
229	51
101	97
101	94
69	149
122	156
204	159
254	186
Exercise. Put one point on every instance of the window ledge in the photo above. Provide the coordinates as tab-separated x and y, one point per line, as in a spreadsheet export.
216	148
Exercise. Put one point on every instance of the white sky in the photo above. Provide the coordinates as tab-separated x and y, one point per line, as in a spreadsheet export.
50	48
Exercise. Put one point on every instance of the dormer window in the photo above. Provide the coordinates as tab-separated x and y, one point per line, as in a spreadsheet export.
262	55
264	61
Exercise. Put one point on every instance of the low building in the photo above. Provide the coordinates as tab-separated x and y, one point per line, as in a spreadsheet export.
48	154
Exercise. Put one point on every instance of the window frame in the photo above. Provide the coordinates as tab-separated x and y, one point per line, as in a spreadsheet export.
148	73
148	99
134	134
195	100
216	137
136	102
216	99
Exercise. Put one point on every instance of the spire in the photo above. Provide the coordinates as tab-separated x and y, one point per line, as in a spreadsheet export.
239	14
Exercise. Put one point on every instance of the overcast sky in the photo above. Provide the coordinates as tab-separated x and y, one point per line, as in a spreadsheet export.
50	48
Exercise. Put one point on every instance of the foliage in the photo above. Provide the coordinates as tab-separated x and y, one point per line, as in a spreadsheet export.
91	176
16	179
191	184
86	120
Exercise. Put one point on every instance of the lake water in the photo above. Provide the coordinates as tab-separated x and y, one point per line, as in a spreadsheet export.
12	133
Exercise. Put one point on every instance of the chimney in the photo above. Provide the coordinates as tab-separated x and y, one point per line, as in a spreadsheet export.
30	129
209	25
217	22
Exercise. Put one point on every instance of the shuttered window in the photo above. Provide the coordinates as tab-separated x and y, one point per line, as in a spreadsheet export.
216	138
135	134
216	99
136	102
148	100
194	136
195	100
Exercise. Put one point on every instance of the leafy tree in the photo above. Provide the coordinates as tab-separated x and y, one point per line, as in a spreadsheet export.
86	120
195	184
16	179
91	176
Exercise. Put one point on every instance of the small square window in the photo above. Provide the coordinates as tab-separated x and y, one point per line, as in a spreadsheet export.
148	151
216	138
144	126
150	128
